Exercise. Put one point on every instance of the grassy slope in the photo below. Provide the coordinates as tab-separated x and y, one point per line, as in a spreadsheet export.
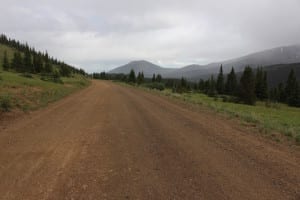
10	53
32	93
276	117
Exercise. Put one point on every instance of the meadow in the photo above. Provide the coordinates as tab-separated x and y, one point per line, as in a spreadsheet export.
267	117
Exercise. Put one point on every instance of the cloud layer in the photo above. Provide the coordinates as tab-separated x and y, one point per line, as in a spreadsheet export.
99	35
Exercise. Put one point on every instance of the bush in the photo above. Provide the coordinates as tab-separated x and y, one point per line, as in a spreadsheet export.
231	99
234	99
155	85
53	77
270	104
5	103
224	98
27	75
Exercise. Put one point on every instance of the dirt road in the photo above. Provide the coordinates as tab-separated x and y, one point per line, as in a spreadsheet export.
114	142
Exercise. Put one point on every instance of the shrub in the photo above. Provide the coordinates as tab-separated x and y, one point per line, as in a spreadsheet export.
53	77
155	85
27	75
270	104
5	103
224	98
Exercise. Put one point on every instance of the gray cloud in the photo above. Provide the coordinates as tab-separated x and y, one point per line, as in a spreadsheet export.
99	35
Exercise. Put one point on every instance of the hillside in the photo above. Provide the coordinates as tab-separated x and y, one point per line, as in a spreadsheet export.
24	87
279	73
280	55
146	67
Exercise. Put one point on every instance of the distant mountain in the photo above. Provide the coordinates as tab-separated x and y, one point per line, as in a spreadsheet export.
280	55
274	58
146	67
190	72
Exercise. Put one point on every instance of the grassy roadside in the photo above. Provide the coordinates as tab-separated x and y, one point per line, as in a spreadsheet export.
267	118
30	93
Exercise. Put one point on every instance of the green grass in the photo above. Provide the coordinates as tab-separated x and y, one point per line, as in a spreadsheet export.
275	117
31	93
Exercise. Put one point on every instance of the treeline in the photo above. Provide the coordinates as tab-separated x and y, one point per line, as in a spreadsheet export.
156	82
252	86
27	60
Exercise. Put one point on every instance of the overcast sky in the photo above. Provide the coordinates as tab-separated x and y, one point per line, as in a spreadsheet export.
102	34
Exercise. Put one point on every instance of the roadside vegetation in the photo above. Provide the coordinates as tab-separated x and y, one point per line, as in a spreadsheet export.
247	98
29	93
266	116
30	79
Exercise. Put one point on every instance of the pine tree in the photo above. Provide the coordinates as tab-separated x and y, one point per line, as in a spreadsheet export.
132	78
231	83
294	100
48	68
273	94
183	83
220	81
140	78
201	85
14	62
281	93
247	87
27	63
290	84
153	78
292	90
46	56
206	86
37	63
158	78
195	86
65	70
258	82
265	86
181	86
212	87
261	87
17	63
5	62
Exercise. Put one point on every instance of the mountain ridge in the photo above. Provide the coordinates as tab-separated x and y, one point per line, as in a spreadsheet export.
144	66
275	56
